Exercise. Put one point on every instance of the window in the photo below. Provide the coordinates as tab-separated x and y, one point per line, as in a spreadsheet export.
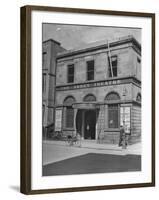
69	117
43	114
70	78
69	114
112	66
44	83
113	109
90	70
112	96
138	60
113	116
44	59
89	98
138	98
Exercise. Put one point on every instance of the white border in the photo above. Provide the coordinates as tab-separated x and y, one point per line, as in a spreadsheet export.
39	182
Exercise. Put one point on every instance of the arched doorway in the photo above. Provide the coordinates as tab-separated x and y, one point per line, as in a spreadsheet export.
86	117
90	124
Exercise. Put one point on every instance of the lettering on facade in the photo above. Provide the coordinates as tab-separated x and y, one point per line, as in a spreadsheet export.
94	84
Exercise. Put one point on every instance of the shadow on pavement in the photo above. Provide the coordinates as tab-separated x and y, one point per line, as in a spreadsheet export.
94	163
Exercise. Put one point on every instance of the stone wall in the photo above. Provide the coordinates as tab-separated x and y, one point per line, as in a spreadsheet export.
135	124
99	92
125	57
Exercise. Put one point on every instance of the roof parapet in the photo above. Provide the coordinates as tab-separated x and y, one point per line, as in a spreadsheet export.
52	40
100	45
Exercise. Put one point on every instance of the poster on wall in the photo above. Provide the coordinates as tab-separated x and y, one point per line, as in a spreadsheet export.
58	119
125	118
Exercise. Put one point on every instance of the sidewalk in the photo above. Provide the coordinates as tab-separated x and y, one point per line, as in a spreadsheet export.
131	149
54	151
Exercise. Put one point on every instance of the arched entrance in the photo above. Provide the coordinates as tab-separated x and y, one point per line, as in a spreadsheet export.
86	117
90	124
86	123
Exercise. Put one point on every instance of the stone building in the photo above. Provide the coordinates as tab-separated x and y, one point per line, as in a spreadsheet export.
95	89
50	49
98	88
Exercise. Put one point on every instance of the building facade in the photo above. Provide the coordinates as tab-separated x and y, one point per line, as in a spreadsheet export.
98	88
50	48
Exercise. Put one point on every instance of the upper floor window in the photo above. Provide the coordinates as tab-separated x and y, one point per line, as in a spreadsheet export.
44	83
90	70
138	98
44	59
70	74
112	66
138	60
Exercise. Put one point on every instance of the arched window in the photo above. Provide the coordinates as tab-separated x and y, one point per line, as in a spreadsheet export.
138	98
69	112
69	101
43	115
89	98
113	109
112	96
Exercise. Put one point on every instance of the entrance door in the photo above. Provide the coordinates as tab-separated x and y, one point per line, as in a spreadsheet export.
79	122
90	124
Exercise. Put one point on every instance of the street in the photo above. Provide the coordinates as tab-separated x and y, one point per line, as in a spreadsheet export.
61	159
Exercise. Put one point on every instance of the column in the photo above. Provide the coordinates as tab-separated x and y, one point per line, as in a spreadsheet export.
64	118
105	116
83	119
75	114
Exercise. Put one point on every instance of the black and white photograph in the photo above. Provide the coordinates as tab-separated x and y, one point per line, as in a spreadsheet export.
88	82
91	99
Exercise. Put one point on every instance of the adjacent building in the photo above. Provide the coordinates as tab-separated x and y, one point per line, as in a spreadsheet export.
97	89
50	48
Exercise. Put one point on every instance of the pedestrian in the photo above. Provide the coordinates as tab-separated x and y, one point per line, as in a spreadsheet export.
79	139
124	138
121	135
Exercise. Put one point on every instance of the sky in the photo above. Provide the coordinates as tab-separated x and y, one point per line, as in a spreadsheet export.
75	36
